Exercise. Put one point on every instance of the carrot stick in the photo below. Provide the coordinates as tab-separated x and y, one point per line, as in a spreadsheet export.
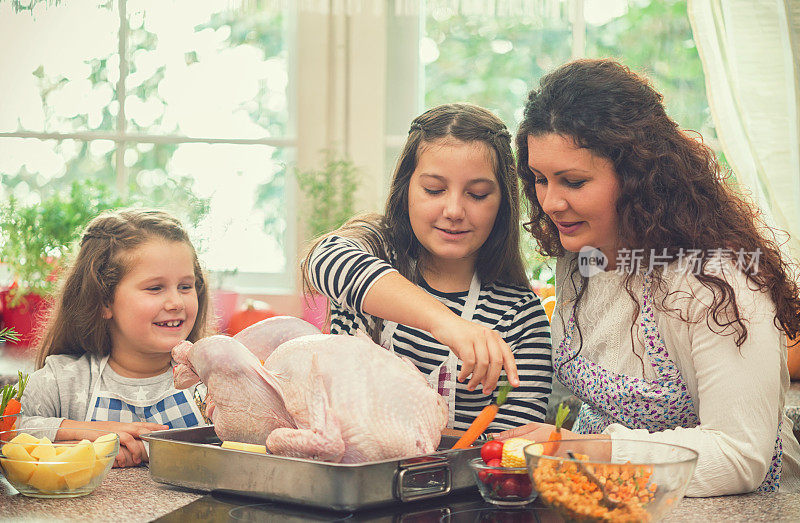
554	440
483	419
12	405
8	393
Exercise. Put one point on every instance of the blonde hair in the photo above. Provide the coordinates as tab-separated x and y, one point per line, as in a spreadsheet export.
75	324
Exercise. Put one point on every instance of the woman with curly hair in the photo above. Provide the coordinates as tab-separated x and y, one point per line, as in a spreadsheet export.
673	298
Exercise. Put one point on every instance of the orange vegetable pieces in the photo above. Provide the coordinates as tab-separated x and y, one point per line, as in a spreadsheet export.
552	445
482	420
562	485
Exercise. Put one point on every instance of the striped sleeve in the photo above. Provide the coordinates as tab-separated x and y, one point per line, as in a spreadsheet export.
526	329
518	316
344	271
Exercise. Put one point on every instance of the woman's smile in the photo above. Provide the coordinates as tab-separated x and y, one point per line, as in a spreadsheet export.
568	227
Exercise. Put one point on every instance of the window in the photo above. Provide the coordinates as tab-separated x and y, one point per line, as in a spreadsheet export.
493	53
179	104
208	105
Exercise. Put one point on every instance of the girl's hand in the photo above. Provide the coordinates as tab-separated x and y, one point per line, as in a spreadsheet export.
482	351
131	448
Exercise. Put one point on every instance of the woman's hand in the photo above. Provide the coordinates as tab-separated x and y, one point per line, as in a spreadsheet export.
132	451
532	431
482	351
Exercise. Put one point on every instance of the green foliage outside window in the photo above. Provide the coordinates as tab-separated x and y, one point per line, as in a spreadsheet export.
36	237
506	57
329	194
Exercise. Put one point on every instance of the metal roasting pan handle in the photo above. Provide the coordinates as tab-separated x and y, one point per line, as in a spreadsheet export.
421	480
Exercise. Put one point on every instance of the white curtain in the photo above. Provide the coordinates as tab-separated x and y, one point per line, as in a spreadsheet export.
750	51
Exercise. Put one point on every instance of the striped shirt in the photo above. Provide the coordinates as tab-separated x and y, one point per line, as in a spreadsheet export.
343	270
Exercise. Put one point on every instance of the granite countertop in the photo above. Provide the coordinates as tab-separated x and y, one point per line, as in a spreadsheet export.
130	495
125	495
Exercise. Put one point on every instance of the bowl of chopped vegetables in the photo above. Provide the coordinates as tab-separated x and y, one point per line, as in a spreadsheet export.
601	480
501	475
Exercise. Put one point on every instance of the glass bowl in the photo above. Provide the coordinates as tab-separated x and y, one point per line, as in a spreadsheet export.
584	481
503	486
38	468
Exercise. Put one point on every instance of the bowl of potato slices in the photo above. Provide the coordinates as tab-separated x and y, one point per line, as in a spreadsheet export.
38	467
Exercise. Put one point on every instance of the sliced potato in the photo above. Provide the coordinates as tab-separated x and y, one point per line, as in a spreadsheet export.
105	445
18	470
79	457
26	440
45	478
79	478
101	465
17	451
249	447
44	452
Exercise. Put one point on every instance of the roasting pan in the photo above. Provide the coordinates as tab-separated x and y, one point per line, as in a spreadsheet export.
193	458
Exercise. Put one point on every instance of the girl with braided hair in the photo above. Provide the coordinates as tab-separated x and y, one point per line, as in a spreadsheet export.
134	290
438	278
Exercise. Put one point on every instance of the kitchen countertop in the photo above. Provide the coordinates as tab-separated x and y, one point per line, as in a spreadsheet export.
130	495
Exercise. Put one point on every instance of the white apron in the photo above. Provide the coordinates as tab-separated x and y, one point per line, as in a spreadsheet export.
443	378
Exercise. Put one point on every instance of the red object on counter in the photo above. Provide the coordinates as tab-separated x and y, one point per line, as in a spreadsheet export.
24	317
253	312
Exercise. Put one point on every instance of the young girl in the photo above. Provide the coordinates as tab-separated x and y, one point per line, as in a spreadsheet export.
682	338
134	291
439	278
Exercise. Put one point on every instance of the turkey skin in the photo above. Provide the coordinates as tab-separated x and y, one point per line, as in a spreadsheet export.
317	396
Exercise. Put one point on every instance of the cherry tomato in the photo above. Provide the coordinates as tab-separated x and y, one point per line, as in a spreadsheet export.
492	450
493	476
509	487
524	487
485	476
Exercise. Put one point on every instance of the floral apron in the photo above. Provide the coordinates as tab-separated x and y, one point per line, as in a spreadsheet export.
661	404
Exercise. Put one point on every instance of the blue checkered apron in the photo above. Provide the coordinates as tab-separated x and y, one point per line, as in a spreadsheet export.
175	408
443	378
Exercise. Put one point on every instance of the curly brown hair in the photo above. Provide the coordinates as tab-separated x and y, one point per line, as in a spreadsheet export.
674	195
75	324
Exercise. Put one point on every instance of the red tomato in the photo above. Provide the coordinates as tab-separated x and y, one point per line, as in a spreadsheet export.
493	476
509	486
524	487
492	450
485	476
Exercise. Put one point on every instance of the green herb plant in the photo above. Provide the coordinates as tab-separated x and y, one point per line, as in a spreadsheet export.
329	193
8	334
35	237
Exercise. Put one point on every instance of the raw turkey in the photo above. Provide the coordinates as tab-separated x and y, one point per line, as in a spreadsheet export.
318	396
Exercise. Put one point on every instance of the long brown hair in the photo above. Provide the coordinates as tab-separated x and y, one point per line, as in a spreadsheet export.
673	193
499	258
75	324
